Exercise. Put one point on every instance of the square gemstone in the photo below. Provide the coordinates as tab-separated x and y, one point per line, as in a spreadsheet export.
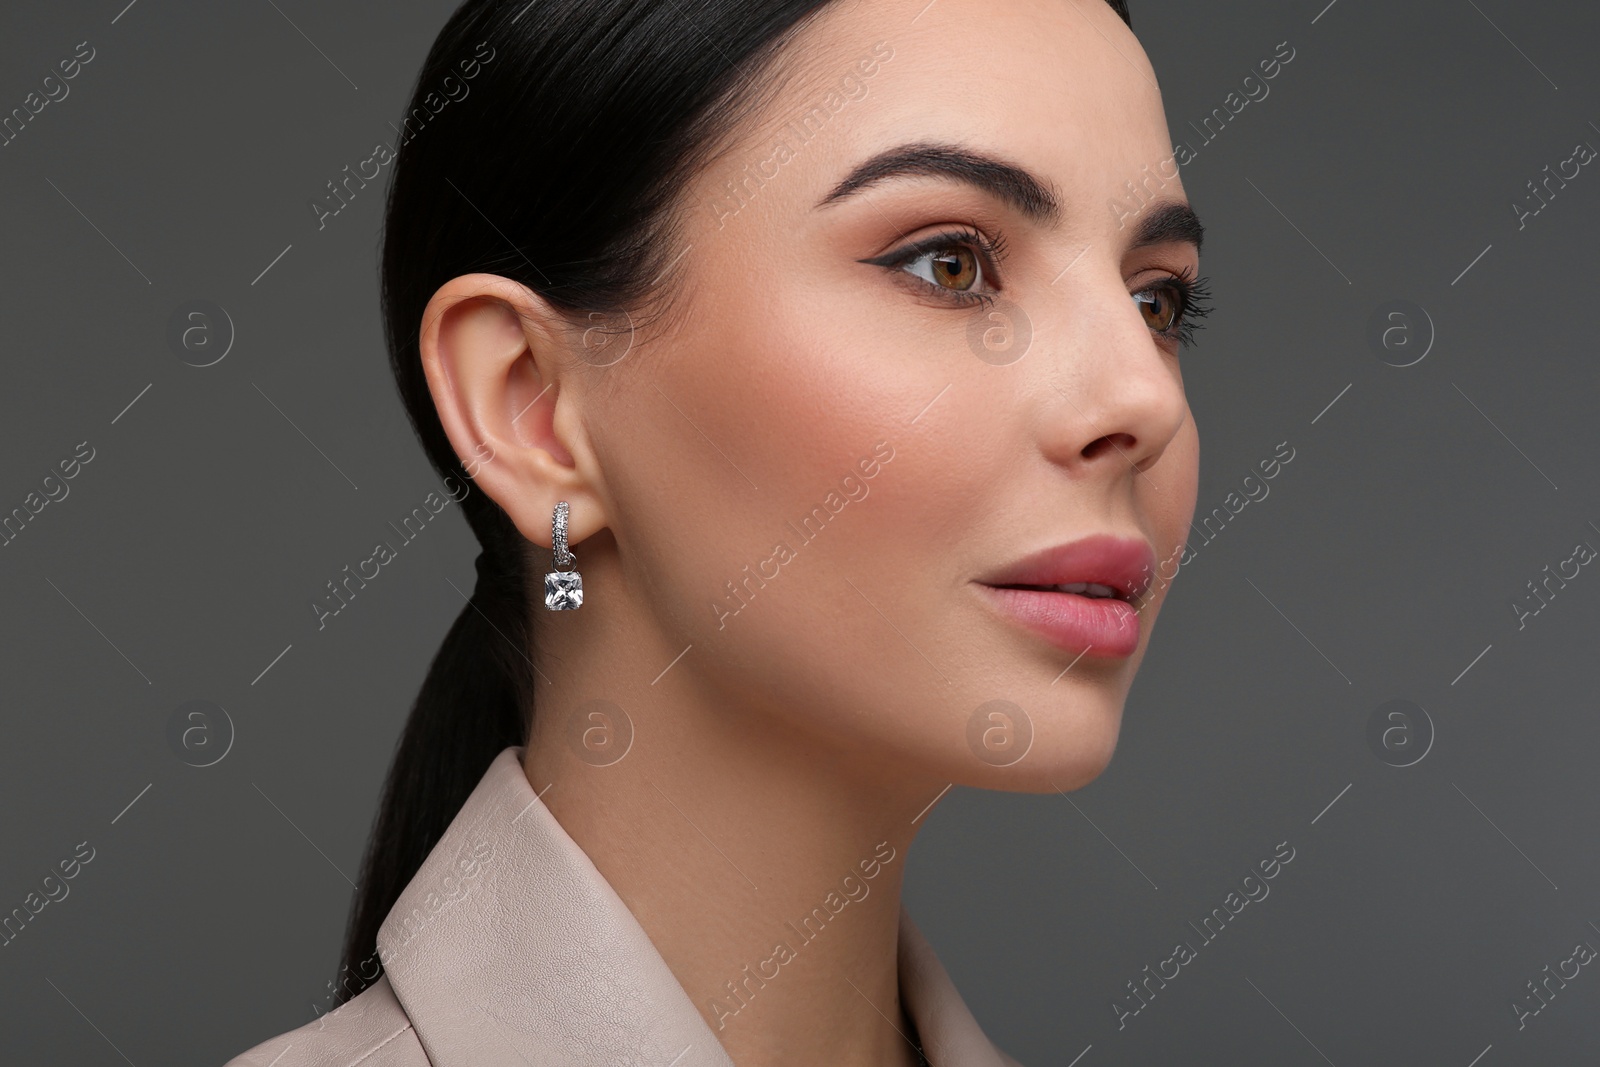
563	590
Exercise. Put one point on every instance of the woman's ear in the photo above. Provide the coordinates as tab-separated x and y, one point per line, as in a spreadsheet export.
495	356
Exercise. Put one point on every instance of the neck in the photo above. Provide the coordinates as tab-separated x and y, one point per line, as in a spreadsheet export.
764	864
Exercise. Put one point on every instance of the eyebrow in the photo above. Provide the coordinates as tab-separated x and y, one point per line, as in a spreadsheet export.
1171	220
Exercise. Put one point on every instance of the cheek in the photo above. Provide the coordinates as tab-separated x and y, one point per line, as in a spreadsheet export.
1173	511
743	448
778	507
1170	510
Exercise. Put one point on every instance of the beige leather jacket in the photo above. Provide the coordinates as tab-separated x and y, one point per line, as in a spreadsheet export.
509	948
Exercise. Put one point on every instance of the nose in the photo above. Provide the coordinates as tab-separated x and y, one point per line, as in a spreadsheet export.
1115	395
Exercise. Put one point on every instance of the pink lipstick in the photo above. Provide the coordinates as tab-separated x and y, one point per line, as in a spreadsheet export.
1083	597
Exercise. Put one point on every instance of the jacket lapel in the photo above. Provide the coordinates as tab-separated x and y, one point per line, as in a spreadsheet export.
510	949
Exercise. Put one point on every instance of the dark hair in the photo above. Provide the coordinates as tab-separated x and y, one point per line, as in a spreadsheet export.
587	116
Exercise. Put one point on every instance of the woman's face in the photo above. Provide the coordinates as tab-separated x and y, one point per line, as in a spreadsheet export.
811	475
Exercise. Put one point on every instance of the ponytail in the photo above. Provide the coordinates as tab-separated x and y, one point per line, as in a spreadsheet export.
474	702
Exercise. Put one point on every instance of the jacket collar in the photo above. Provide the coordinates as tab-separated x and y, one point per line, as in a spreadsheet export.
510	948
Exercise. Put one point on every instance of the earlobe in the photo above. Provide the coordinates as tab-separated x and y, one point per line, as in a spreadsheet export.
493	353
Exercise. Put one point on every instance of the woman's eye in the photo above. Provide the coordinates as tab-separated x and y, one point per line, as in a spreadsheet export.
1172	308
1161	308
955	267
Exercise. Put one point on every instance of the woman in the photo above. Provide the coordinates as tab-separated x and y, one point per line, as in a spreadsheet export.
818	365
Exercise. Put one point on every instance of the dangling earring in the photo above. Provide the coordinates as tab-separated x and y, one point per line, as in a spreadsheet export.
563	588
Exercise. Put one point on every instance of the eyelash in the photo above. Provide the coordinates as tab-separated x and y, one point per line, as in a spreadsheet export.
1194	302
1193	294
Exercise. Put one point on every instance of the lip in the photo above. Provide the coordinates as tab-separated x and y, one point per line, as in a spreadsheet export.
1099	626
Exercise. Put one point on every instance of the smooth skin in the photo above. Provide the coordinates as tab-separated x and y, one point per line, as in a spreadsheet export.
772	750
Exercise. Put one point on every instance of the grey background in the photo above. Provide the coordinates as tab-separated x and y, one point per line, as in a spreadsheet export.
1382	565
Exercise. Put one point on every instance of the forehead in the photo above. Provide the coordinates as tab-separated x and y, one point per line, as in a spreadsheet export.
1061	87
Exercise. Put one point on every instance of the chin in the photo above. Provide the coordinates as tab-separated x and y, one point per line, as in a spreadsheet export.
1061	776
1067	752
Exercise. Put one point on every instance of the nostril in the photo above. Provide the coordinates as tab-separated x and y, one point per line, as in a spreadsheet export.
1116	443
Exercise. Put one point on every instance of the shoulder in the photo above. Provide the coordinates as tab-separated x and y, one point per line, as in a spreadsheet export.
371	1029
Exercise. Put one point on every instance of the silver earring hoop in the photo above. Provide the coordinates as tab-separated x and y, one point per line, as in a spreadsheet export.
563	587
